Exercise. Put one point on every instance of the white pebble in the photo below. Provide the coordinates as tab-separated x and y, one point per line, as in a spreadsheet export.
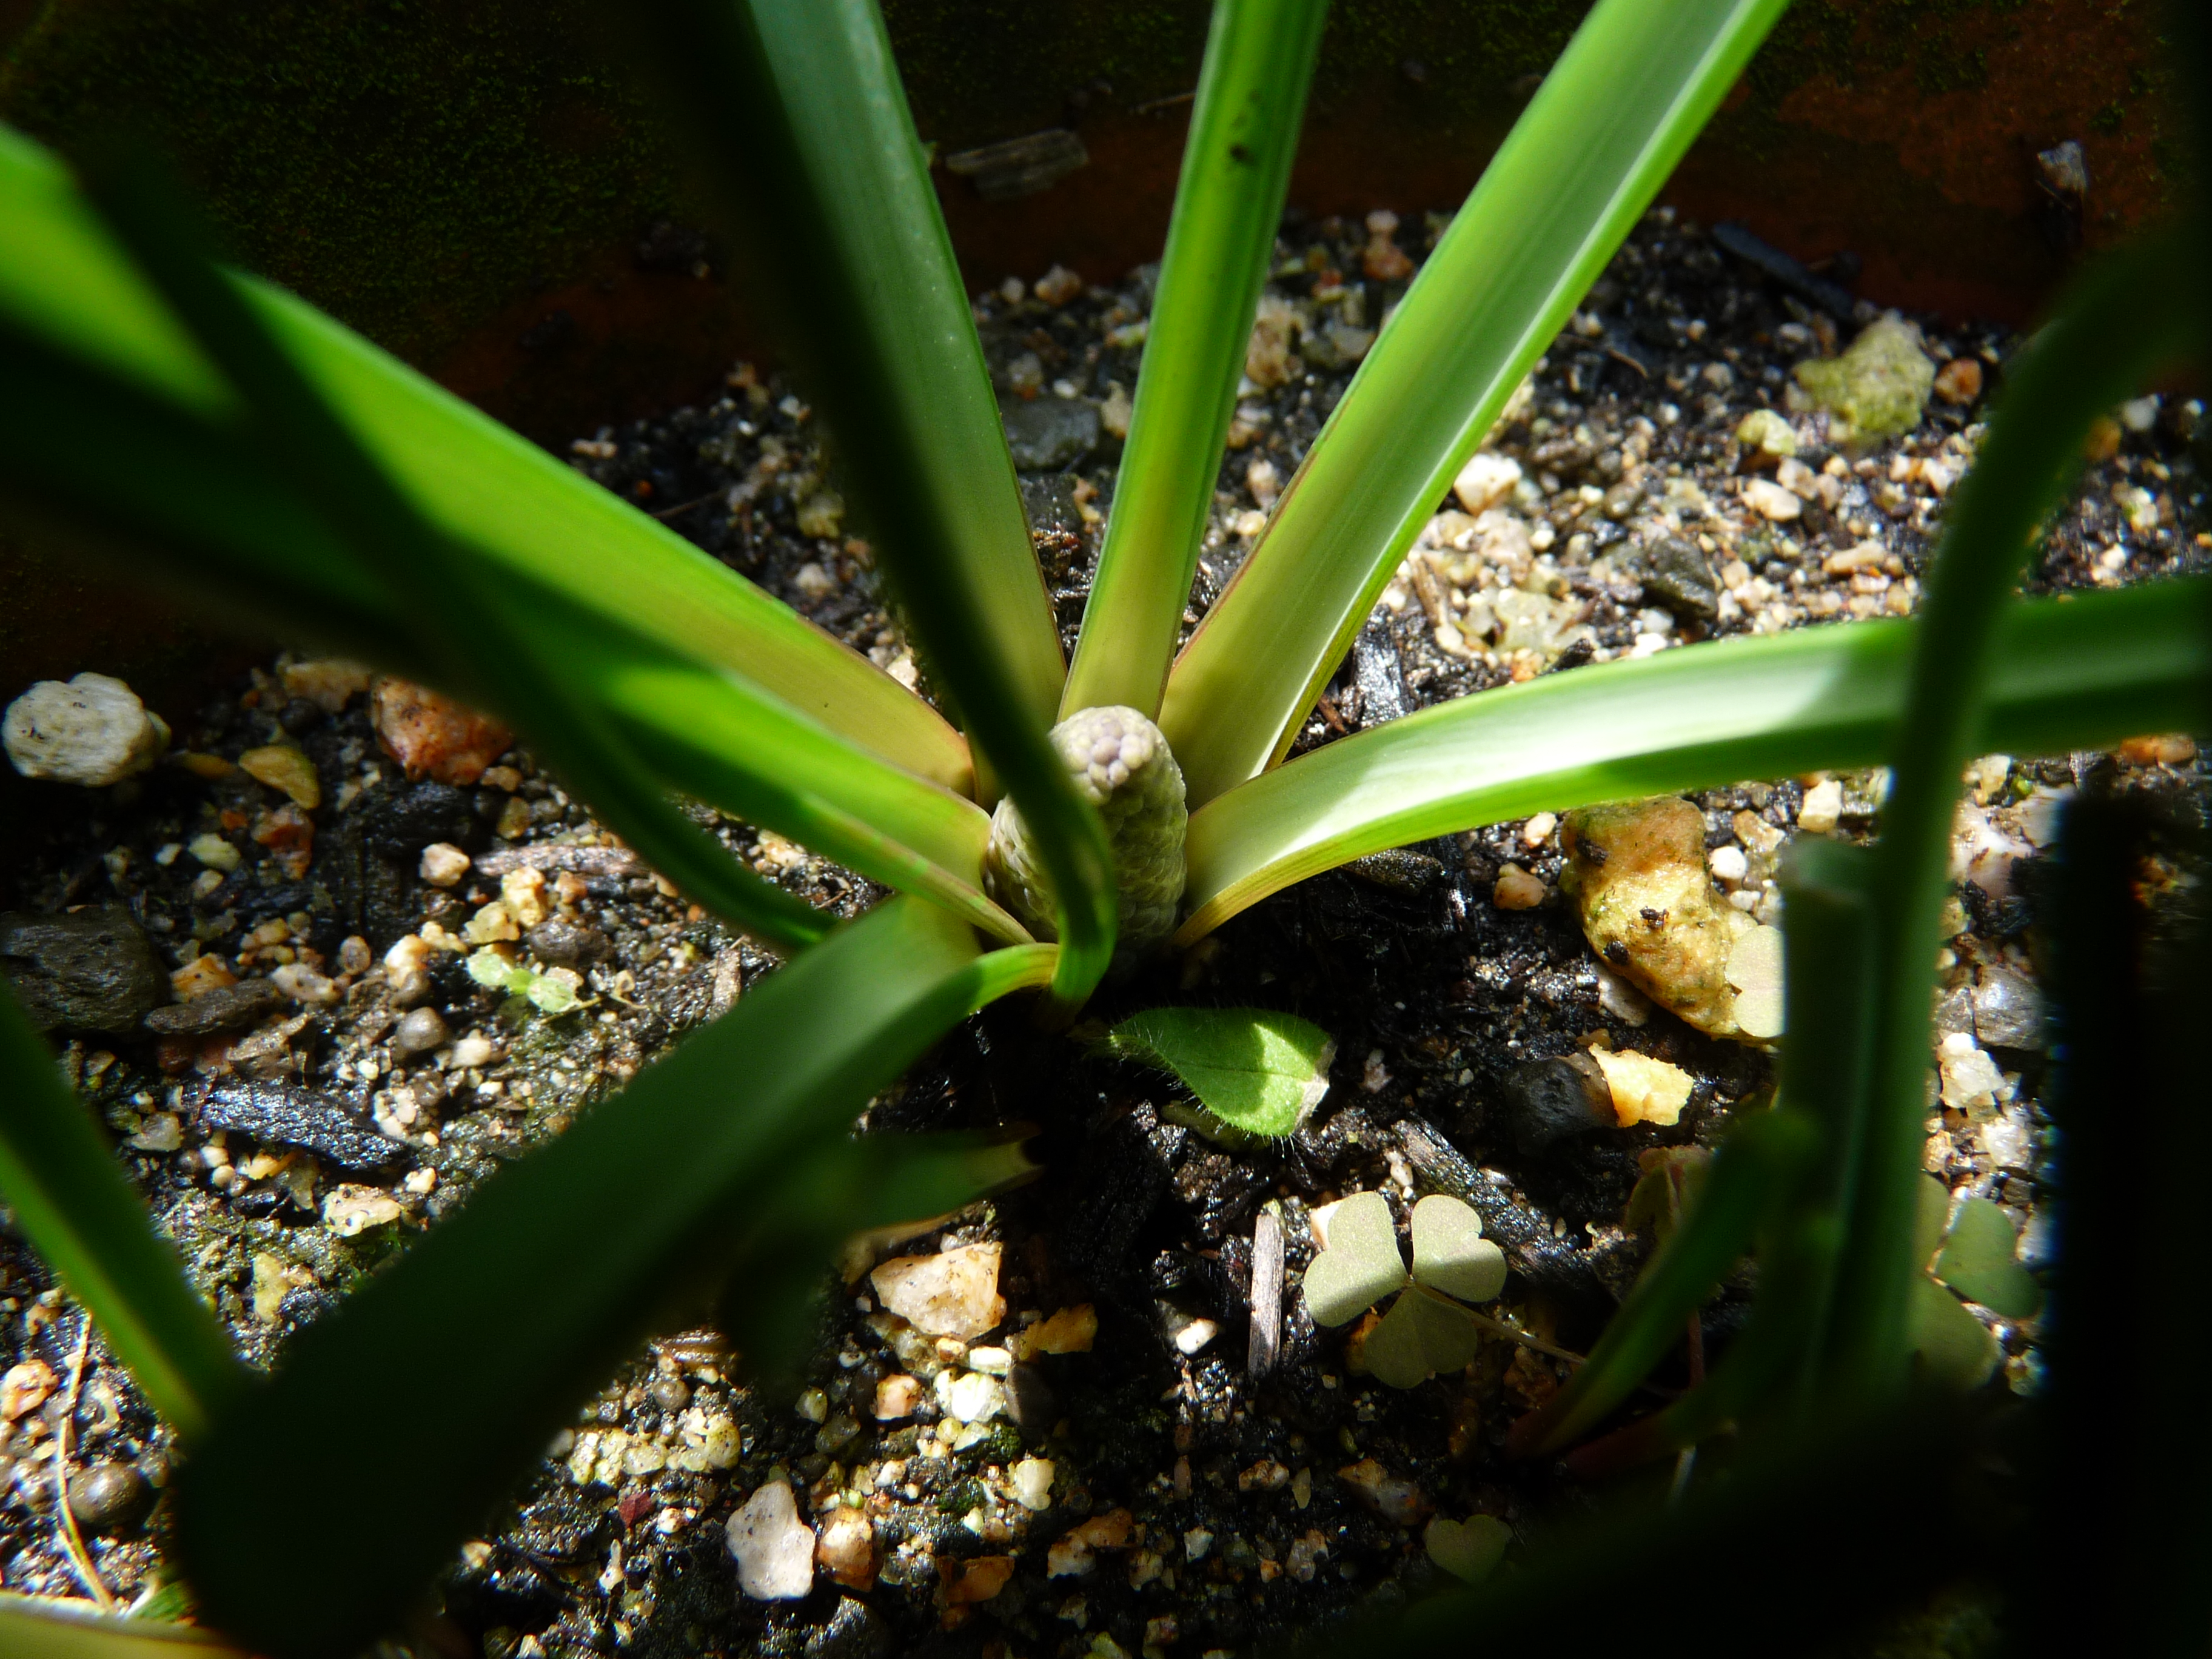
303	984
1485	481
444	864
215	852
1823	808
472	1051
1031	1481
773	1547
1538	829
91	730
1729	864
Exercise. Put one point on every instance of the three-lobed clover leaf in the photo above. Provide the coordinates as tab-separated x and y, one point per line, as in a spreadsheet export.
1426	1330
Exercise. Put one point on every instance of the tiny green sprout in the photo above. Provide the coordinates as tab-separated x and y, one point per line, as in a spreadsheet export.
1469	1549
555	991
1426	1330
1973	1257
1255	1072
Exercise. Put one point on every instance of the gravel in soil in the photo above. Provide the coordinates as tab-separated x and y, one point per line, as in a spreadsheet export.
1114	1465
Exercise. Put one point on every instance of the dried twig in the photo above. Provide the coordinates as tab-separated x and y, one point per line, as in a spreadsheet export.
1267	1294
72	1540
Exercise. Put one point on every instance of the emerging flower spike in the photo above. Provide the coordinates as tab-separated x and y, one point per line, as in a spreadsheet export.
1124	767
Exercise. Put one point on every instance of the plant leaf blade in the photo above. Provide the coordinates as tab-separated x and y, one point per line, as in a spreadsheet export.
65	282
1257	1069
816	148
2076	673
1613	115
1236	167
466	1353
75	1206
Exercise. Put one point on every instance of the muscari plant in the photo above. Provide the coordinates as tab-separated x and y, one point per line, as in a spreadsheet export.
235	445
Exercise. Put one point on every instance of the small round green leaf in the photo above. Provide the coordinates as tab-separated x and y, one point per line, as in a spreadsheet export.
1956	1347
1360	1265
1978	1261
1469	1549
1256	1069
1450	1254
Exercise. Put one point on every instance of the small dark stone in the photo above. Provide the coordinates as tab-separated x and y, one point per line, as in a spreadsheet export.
1049	433
1677	577
299	715
107	1497
403	824
565	943
1545	1099
89	971
232	1008
298	1117
853	1631
1030	1400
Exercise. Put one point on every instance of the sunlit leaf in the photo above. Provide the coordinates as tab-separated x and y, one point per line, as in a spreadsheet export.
1451	1254
1236	164
2069	673
1256	1069
1615	111
1360	1264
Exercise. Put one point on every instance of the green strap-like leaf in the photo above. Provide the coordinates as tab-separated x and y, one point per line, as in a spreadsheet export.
2133	312
810	133
64	281
79	1213
34	1628
200	513
1750	1171
2069	673
1257	1069
1633	88
383	533
463	1355
1236	167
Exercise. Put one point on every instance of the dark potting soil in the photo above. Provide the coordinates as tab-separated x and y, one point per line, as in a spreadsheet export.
1223	1505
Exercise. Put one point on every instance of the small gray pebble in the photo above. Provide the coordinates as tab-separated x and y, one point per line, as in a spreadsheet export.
420	1030
669	1393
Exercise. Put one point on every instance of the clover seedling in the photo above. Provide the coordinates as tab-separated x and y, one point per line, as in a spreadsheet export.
1426	1330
